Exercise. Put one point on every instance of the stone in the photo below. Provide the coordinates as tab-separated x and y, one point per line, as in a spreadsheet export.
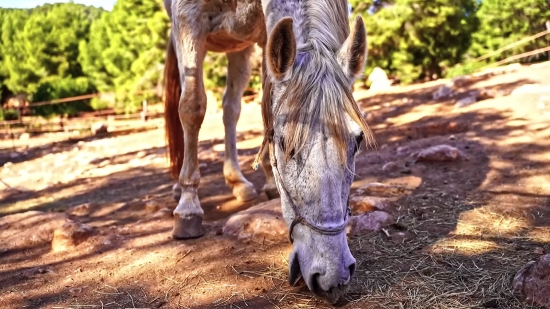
403	150
401	237
363	204
469	100
141	154
443	92
488	93
381	189
70	235
439	153
83	209
368	222
29	228
460	81
390	166
379	80
532	281
99	128
24	136
263	220
152	206
163	213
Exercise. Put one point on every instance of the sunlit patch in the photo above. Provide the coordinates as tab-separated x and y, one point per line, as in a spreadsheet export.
540	234
250	143
464	246
491	222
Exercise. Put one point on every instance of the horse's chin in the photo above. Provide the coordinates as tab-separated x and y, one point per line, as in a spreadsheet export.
335	294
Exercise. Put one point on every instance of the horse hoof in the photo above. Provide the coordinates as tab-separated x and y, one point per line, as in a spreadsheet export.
187	227
272	193
245	192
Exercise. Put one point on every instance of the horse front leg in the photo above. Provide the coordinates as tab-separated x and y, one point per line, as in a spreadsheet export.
192	108
238	75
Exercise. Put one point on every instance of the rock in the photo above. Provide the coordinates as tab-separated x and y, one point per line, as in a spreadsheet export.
141	154
153	206
83	209
368	222
442	92
403	150
70	235
99	128
103	163
401	237
469	100
439	153
29	228
533	281
163	213
263	220
488	93
24	136
363	204
379	80
460	81
390	166
381	189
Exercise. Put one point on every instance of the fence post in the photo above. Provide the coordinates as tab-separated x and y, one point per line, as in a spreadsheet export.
144	111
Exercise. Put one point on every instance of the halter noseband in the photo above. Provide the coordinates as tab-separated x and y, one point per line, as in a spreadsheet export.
298	218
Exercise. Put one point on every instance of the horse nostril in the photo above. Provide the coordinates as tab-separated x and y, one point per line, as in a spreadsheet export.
351	270
315	287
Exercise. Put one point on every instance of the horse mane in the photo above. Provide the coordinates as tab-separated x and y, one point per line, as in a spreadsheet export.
317	92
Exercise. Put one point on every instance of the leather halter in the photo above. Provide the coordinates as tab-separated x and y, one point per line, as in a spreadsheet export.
298	218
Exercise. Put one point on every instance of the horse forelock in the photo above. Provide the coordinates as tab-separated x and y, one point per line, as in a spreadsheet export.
317	97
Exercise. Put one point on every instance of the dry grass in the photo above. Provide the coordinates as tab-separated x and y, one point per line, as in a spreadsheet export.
439	271
447	270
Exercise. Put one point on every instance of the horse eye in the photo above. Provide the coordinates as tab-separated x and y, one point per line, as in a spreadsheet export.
358	140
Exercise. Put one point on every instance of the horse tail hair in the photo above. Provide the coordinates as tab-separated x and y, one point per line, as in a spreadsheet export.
172	127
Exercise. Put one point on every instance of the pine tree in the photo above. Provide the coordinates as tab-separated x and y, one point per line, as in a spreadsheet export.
418	39
505	22
126	49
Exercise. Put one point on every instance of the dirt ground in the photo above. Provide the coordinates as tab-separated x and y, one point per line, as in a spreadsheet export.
470	224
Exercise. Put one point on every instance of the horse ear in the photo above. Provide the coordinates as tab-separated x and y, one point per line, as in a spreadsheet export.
353	54
281	48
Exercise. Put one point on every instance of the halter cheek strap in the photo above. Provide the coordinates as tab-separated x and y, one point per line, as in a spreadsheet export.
298	218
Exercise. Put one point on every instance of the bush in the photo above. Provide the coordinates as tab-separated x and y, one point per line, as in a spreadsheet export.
59	88
98	104
9	114
463	69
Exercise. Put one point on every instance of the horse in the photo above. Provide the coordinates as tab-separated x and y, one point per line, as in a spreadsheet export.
313	127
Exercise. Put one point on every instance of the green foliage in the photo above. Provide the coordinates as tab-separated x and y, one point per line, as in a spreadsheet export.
8	114
59	88
98	104
126	50
417	39
463	69
505	22
67	49
41	43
